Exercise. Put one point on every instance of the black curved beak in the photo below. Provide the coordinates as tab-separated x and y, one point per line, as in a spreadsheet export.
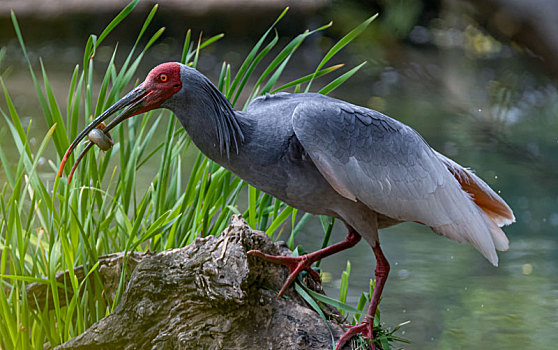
130	104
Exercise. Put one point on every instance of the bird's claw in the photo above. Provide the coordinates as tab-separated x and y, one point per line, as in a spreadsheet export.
364	329
295	264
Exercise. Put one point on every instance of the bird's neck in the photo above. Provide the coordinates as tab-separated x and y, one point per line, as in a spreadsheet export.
213	125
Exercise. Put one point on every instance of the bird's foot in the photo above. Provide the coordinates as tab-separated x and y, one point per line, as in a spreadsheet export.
364	329
296	264
304	262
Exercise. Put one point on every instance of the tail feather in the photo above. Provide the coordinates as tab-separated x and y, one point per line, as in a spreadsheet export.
499	238
483	196
474	232
493	213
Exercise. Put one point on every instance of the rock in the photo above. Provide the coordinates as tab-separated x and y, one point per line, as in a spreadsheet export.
210	295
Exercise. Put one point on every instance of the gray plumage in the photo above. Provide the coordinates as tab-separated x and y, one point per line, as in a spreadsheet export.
327	156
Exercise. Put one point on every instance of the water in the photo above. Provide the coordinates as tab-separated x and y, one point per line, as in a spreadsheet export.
484	106
451	294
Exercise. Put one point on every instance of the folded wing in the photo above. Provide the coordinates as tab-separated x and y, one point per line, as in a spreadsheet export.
369	157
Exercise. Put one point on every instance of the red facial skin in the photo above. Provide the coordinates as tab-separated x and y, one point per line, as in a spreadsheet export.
159	89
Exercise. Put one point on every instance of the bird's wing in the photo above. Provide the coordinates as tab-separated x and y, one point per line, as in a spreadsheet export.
369	157
483	196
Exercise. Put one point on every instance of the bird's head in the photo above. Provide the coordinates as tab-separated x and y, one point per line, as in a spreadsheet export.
163	82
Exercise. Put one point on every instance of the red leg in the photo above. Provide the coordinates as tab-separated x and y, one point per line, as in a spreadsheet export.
365	328
304	262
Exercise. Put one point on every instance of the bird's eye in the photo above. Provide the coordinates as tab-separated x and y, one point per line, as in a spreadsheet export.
163	77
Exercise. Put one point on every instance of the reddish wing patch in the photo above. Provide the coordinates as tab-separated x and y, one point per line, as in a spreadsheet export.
493	207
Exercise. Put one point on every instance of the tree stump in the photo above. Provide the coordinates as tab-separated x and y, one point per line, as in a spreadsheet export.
210	295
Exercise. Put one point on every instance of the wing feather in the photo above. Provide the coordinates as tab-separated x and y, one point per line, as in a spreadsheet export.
488	200
369	157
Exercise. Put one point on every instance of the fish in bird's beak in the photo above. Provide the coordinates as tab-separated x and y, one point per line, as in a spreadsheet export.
161	83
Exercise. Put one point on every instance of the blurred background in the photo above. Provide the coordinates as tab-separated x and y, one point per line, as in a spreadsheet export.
478	79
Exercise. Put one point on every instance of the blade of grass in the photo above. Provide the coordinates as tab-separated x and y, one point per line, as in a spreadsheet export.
343	290
334	84
341	44
249	58
307	78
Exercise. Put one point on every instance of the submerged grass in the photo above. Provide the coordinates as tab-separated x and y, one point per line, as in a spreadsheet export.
48	226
